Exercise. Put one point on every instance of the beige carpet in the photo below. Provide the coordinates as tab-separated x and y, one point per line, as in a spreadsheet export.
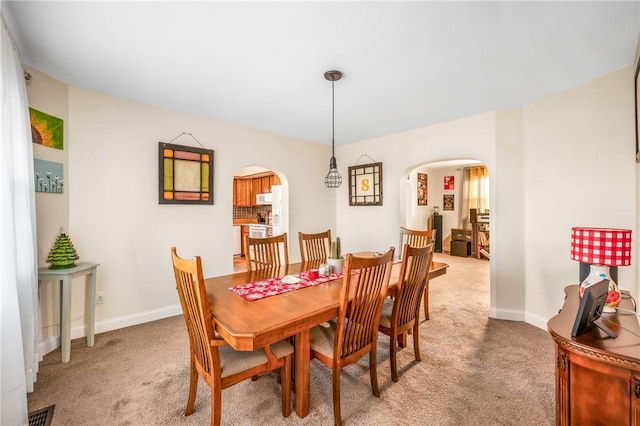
474	371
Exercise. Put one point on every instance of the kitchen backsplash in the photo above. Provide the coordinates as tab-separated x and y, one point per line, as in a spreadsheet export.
250	212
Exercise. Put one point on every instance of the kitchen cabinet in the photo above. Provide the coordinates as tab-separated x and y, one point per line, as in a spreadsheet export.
266	183
243	192
246	188
256	188
244	232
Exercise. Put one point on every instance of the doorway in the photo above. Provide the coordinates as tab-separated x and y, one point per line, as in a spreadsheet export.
444	195
260	208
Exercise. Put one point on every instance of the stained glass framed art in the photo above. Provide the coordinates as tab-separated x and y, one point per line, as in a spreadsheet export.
185	174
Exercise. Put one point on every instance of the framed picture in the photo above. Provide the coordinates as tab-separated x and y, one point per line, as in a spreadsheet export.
185	174
46	129
422	189
365	185
447	202
449	182
48	176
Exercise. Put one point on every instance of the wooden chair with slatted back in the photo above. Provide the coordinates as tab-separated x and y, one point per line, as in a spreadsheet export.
354	333
315	247
417	238
401	314
211	357
266	253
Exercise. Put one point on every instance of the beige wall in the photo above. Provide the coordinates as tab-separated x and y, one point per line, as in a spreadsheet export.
111	205
579	170
565	161
52	210
540	158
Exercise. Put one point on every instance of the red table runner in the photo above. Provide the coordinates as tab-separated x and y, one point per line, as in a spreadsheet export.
261	289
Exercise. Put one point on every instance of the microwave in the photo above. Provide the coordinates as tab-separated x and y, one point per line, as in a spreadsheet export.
264	199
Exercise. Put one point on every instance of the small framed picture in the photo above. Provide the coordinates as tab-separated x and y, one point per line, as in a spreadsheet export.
449	182
365	185
447	202
422	189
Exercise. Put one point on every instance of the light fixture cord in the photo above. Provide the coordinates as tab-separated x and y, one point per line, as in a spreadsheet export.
333	124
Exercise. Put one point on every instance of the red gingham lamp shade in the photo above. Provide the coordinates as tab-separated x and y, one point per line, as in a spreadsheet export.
601	246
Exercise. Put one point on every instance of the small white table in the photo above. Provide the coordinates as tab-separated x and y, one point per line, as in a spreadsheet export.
65	276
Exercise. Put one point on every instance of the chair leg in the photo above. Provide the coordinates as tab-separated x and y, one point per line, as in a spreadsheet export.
285	388
216	405
337	416
426	302
193	389
416	342
373	369
392	358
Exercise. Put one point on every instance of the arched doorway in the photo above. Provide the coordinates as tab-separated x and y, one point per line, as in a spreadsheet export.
260	207
445	187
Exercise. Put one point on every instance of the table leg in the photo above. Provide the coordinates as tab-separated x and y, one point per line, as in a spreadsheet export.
91	306
65	315
302	373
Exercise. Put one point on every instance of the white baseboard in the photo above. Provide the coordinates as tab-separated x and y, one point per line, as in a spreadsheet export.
507	314
53	343
537	321
518	315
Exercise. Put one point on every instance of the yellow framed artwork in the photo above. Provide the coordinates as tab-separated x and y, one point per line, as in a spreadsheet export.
365	185
185	174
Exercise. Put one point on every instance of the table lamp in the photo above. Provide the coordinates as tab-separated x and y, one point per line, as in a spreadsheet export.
601	248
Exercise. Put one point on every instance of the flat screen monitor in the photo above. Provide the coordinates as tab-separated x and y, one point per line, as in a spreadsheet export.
591	307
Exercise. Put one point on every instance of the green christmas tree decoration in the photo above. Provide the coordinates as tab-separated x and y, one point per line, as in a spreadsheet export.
63	254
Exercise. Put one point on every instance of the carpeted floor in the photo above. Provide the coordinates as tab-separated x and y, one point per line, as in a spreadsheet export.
474	371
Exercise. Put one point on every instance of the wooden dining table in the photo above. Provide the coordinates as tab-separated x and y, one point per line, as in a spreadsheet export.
250	325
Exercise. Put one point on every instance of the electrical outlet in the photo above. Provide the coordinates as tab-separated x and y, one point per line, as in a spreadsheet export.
100	298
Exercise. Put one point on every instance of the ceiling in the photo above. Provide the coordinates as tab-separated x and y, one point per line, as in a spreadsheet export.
261	64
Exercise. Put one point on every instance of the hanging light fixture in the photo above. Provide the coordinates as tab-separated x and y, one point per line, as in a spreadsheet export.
333	178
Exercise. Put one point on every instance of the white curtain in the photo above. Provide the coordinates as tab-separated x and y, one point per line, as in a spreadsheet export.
475	192
19	314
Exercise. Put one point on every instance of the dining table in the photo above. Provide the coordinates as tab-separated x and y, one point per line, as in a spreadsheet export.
248	325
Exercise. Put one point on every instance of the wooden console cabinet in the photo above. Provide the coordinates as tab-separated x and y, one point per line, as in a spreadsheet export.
597	377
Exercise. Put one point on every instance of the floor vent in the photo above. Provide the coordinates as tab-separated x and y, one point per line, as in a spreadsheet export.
41	417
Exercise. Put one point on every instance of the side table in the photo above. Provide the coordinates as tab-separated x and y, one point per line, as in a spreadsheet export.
65	276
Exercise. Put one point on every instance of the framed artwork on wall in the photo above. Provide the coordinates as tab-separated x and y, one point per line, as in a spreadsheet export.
449	182
48	176
447	202
185	174
422	189
365	185
46	129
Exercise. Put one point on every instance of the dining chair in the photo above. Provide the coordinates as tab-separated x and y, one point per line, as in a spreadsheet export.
211	357
417	238
268	252
354	333
401	314
315	247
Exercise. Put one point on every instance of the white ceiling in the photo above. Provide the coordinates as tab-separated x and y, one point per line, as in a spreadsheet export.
261	64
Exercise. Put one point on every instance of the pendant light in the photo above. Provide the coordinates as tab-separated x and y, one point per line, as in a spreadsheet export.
333	178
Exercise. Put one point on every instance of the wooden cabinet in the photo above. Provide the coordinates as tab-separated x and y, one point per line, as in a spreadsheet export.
597	377
244	232
242	192
246	188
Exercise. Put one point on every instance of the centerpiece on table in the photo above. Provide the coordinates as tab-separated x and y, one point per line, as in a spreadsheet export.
335	260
